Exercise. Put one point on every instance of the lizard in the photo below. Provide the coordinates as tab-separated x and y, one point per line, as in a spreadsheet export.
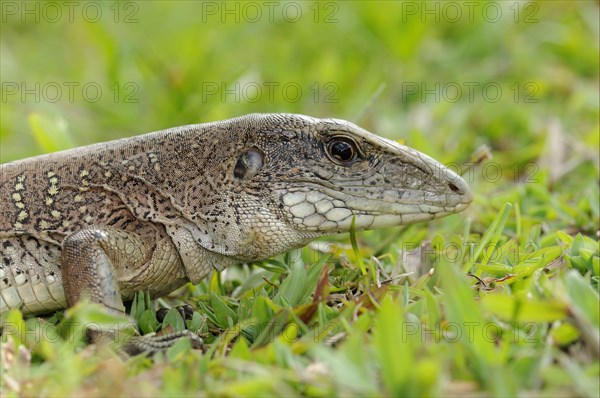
156	211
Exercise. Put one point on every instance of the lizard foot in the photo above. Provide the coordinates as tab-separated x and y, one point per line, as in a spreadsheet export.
151	343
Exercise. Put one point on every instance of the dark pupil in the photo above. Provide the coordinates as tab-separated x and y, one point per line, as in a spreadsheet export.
342	151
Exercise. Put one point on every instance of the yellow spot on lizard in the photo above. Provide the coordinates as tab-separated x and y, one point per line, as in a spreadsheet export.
53	190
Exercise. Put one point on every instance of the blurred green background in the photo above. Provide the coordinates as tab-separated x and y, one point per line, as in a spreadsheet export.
103	70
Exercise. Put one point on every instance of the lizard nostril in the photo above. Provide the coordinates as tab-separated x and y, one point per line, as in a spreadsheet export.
454	188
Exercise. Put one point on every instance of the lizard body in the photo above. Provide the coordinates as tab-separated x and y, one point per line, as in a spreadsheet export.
155	211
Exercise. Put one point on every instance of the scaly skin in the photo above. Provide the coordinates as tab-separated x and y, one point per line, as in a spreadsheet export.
156	211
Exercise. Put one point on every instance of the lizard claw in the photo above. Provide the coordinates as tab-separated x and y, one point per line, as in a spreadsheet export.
186	311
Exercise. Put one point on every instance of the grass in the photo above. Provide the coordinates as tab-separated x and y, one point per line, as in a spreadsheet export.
501	300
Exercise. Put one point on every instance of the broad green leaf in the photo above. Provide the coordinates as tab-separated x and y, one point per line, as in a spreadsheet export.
565	334
148	322
293	287
240	350
174	319
196	322
510	308
225	315
433	311
355	249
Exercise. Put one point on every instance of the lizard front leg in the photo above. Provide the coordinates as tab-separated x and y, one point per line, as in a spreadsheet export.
89	258
103	263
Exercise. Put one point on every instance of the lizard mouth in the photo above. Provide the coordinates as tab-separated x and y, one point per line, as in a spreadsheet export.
323	209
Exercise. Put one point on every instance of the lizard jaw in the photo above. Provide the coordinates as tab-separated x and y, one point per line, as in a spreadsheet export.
328	211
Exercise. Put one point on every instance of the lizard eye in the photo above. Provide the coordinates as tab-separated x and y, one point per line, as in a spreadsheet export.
248	164
342	150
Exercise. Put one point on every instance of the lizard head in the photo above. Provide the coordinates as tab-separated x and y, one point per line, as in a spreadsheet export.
304	177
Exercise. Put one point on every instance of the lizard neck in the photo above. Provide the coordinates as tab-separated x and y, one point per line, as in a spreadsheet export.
198	262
